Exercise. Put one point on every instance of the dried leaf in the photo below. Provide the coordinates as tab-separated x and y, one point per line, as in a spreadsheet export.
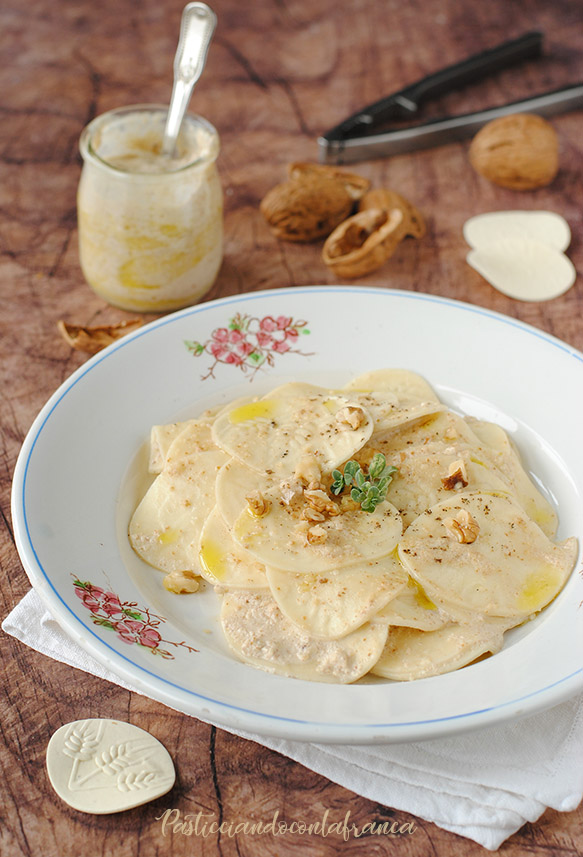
93	339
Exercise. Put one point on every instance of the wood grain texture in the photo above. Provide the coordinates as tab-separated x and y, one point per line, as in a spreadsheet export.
279	73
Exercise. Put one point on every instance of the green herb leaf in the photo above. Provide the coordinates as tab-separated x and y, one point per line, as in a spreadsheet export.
389	471
338	484
382	486
371	491
351	468
360	479
377	465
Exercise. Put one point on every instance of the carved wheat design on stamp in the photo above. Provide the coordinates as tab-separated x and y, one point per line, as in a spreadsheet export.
125	761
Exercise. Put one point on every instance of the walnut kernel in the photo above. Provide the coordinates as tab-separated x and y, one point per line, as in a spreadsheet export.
181	582
351	417
317	535
320	502
307	469
257	504
457	476
464	528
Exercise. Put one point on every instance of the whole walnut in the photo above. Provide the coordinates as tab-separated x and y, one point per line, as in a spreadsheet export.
520	151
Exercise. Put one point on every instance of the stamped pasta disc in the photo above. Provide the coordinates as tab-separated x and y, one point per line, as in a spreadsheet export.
524	269
103	766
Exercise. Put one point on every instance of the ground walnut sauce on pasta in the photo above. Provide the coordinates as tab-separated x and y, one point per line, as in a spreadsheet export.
367	529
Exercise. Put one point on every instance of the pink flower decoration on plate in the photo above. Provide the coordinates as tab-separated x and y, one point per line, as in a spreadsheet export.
133	625
251	343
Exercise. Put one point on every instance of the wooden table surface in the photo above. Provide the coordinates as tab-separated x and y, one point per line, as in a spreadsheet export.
279	73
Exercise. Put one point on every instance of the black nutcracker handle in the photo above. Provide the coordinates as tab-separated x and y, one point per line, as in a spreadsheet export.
407	101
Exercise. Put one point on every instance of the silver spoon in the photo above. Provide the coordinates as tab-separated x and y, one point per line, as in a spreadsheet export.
196	31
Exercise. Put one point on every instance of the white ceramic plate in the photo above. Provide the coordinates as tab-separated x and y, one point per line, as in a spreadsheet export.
79	476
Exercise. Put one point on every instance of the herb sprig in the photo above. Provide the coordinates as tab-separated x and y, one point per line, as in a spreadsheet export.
368	489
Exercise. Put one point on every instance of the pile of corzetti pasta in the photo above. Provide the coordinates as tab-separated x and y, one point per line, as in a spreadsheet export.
457	547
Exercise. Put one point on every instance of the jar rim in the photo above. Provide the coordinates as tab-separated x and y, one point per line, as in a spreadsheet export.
89	153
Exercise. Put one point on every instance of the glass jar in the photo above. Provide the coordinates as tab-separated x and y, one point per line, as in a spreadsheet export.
150	226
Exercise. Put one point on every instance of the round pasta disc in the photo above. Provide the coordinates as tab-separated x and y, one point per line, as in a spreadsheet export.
497	447
389	411
489	447
511	569
170	517
276	433
411	608
162	437
223	562
279	538
299	388
387	405
259	633
446	427
524	269
333	604
405	384
544	226
412	654
423	477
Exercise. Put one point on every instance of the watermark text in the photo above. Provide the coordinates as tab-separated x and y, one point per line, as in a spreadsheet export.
200	824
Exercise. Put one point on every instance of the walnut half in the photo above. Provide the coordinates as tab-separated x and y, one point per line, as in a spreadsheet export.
307	469
317	535
181	582
464	528
351	417
319	501
257	504
457	476
308	513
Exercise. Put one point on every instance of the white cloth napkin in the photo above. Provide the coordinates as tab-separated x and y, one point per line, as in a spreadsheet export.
483	785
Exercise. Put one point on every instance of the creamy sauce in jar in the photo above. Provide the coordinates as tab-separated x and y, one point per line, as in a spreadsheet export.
150	227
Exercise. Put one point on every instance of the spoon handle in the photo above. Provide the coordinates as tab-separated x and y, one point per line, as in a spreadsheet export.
196	31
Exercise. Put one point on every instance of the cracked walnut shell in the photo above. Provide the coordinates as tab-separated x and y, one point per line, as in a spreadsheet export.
520	152
363	242
413	222
93	339
355	185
